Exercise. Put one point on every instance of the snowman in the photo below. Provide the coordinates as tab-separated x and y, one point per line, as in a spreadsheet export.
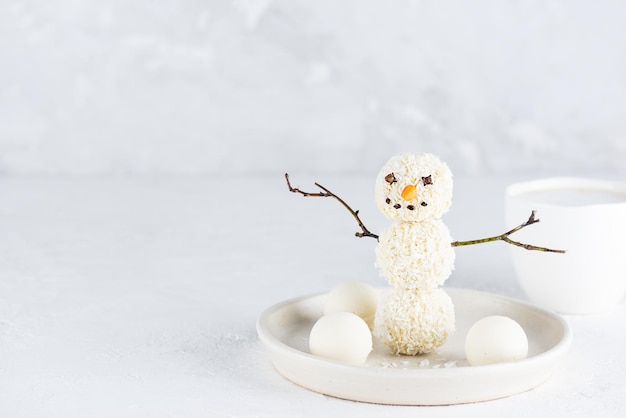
414	254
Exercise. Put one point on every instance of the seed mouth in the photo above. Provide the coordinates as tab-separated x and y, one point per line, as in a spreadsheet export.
409	207
399	206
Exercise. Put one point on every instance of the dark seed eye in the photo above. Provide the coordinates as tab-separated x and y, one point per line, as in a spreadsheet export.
410	207
397	206
387	201
390	178
427	180
424	204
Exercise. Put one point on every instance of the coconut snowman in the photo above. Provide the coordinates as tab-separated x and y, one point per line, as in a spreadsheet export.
414	254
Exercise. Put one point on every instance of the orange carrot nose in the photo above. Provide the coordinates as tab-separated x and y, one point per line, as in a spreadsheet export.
409	192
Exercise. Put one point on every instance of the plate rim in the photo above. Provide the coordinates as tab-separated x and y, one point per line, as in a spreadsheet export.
276	347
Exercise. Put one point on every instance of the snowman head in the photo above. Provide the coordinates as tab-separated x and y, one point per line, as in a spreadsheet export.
414	187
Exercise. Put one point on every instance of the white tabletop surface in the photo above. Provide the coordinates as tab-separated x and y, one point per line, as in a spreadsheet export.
138	297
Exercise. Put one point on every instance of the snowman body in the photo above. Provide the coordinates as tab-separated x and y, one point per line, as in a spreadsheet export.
415	254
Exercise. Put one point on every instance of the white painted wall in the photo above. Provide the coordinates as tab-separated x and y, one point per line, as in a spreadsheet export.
255	86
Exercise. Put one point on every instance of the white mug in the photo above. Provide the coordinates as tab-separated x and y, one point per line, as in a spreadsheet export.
587	219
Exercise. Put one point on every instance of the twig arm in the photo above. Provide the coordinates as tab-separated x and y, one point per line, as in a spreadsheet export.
505	237
327	193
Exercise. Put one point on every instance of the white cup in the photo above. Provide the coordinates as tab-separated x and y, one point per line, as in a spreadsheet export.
587	218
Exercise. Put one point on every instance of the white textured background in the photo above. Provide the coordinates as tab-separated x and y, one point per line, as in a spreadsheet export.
126	295
260	86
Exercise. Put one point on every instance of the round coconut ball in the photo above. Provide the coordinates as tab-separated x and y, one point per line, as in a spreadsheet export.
341	336
358	298
495	339
414	322
416	254
432	182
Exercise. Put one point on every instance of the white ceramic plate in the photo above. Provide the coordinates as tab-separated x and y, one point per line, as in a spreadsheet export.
440	378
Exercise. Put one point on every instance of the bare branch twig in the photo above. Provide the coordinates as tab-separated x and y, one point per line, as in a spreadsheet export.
366	233
327	193
505	237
